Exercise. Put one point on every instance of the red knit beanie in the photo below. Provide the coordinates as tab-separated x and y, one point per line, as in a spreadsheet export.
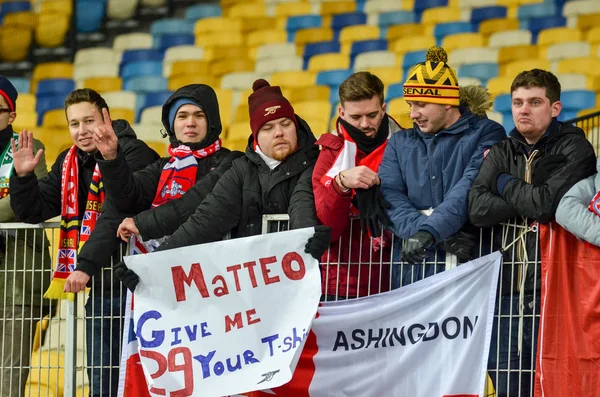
267	103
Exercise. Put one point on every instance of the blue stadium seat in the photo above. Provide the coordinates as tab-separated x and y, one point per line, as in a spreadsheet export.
503	104
14	6
89	15
144	101
142	68
387	19
540	10
366	46
295	23
422	5
577	100
54	87
145	84
340	21
537	24
394	91
507	122
333	78
200	11
171	26
412	58
444	29
43	104
321	47
171	40
21	84
481	71
483	13
567	114
139	56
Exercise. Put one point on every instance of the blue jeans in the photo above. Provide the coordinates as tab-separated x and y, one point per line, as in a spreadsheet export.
513	375
104	320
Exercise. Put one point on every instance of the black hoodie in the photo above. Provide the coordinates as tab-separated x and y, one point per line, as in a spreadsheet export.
132	193
36	201
251	189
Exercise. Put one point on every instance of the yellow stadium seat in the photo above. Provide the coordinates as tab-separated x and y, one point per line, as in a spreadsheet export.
329	8
219	39
242	113
387	74
240	130
313	35
514	68
260	23
317	125
220	53
15	43
398	106
103	84
593	35
225	98
196	68
489	26
412	43
318	110
267	36
82	391
551	36
236	144
26	118
399	31
23	18
434	15
403	119
52	29
292	9
585	112
220	68
294	79
350	34
55	119
64	7
47	368
247	10
499	85
515	53
587	66
463	40
584	22
302	94
408	5
121	113
594	84
53	70
39	390
328	61
177	82
217	24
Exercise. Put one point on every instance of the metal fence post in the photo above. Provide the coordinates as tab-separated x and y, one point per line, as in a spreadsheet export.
70	348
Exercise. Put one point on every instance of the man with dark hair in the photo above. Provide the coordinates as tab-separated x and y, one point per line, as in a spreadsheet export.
273	177
524	178
74	190
24	256
346	186
427	170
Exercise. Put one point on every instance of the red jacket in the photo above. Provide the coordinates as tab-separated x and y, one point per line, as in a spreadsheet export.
350	267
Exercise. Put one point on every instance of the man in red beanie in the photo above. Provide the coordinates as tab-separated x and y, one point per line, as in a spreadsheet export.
274	177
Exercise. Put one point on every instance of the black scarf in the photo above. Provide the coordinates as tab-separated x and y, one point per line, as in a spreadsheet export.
364	143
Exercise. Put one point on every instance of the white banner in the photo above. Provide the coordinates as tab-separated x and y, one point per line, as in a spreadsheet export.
227	317
428	339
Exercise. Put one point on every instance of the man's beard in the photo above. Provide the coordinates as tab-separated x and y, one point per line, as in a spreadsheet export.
279	154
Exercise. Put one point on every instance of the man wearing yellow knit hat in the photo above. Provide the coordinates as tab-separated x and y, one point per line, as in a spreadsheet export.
427	170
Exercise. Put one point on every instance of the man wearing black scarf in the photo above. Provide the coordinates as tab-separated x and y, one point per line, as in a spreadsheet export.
346	188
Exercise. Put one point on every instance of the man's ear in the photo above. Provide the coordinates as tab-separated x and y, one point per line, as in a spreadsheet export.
556	108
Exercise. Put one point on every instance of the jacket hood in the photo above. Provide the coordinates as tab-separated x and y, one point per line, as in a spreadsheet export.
123	129
476	98
306	142
206	97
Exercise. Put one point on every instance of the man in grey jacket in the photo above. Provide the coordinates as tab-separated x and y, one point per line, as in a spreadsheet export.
579	209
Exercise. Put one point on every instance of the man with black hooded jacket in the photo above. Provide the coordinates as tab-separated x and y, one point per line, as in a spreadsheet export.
273	177
524	178
35	201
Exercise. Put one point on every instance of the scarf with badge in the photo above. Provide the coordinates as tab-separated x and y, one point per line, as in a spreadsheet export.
6	165
74	229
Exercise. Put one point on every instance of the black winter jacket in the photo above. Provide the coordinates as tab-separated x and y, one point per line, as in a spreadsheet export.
251	189
36	201
521	198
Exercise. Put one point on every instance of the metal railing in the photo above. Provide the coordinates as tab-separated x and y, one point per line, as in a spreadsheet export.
590	124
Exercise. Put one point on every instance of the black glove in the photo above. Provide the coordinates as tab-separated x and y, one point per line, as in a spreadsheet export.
546	167
415	248
371	207
319	242
126	275
462	244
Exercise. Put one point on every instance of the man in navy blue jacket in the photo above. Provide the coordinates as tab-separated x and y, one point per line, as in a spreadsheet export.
427	170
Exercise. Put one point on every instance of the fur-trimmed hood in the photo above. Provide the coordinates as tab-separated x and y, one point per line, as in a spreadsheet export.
476	98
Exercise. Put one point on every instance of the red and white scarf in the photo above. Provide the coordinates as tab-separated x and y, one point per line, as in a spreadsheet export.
71	235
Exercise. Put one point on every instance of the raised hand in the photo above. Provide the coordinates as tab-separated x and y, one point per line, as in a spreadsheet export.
104	135
126	229
361	177
24	160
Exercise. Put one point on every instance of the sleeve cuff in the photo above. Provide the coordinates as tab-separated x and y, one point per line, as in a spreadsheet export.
339	191
87	268
433	232
502	180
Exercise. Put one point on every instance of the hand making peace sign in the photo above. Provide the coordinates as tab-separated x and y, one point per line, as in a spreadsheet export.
104	135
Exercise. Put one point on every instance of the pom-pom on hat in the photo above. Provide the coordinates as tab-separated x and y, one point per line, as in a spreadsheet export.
433	81
267	103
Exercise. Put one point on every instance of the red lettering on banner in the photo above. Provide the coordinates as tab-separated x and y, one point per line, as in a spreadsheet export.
238	320
286	265
263	266
235	269
196	275
223	289
171	365
161	361
250	320
250	267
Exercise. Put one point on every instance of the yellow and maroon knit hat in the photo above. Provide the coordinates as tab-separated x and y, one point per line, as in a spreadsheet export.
432	81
